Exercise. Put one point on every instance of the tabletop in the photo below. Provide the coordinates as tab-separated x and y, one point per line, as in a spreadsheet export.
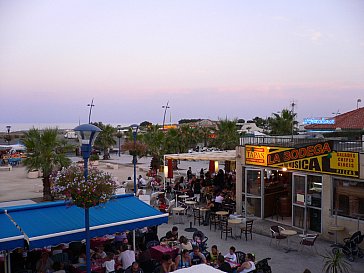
191	202
183	196
288	232
178	209
235	221
222	212
336	228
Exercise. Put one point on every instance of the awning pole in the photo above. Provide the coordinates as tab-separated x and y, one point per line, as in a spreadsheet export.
164	174
134	240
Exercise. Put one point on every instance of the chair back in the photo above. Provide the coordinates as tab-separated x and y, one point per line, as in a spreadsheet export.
240	257
274	231
249	225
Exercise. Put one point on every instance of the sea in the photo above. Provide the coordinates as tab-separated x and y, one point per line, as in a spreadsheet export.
16	127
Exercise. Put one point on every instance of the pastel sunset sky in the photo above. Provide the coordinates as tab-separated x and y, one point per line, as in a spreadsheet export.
209	59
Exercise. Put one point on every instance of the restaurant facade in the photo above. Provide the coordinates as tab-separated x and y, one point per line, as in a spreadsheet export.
314	187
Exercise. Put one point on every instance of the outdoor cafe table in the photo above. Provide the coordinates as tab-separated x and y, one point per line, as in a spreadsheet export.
235	222
156	252
99	241
289	233
203	211
183	197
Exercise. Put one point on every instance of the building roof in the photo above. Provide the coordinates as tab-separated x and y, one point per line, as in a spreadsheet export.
229	155
353	120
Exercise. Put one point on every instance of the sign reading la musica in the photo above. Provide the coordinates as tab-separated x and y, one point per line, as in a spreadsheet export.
319	157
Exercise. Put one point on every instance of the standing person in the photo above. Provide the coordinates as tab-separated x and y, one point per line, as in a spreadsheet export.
141	181
202	173
126	257
248	265
197	257
196	186
189	174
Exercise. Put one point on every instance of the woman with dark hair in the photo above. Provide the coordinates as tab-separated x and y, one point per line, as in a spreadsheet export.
248	265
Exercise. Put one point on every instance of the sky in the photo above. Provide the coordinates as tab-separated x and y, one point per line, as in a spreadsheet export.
208	59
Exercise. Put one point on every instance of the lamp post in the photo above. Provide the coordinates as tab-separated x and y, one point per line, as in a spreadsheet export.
8	127
119	135
165	111
87	134
134	129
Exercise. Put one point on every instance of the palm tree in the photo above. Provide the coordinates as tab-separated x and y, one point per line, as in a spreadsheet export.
226	136
205	134
154	139
105	139
46	153
283	123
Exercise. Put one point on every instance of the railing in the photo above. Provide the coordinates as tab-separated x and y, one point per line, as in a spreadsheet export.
339	145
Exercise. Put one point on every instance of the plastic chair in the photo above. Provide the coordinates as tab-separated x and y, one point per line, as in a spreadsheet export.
248	229
240	257
276	234
308	240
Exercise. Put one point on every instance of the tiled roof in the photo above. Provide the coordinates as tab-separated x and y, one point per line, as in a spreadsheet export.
353	120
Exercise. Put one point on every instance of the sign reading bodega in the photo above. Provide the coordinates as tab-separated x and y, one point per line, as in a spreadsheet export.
318	157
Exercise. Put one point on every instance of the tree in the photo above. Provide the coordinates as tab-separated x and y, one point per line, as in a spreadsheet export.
105	140
145	124
205	135
226	136
154	139
283	123
46	153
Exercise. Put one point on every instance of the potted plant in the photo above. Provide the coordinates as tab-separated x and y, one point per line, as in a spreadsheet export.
94	159
335	262
70	185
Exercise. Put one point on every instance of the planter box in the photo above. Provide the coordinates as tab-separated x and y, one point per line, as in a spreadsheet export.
33	174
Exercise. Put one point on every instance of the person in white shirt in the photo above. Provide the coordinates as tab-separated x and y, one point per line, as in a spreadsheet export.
126	257
141	181
219	198
231	256
109	264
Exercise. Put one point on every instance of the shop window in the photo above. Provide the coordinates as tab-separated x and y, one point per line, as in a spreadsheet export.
314	191
254	182
348	197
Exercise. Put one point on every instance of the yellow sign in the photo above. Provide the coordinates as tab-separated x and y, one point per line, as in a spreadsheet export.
318	157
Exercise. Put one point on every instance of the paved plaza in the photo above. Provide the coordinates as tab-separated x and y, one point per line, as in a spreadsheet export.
14	185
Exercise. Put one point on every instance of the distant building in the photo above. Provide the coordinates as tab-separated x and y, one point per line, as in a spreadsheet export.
249	128
349	121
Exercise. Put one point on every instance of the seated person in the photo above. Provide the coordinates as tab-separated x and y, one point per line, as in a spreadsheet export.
134	268
162	203
185	243
126	257
167	264
211	208
248	265
100	253
183	260
212	256
231	256
223	265
197	257
44	264
109	264
58	267
172	235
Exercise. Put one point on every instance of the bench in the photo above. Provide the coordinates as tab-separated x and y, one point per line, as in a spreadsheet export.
8	167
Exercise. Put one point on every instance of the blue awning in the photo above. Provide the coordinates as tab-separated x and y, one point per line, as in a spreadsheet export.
54	222
10	235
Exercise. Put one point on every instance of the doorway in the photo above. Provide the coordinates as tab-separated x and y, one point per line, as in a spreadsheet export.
306	205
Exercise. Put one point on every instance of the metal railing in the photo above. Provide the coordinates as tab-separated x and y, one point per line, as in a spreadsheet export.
339	144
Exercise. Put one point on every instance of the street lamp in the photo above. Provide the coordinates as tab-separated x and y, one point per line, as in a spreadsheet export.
165	111
119	135
87	134
8	136
134	129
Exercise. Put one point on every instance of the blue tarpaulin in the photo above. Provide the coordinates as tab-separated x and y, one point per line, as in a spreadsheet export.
53	223
10	235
